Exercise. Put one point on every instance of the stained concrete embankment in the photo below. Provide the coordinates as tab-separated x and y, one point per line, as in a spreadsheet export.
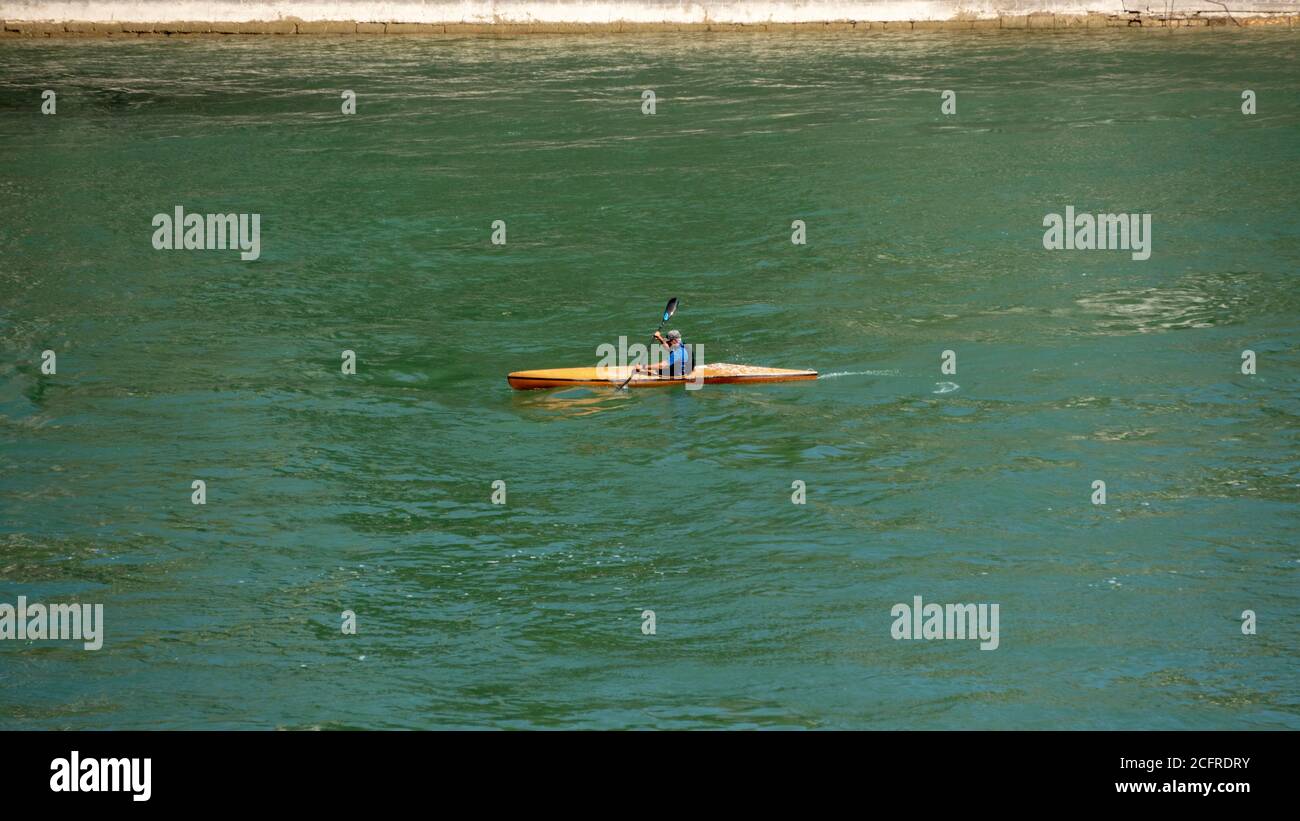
134	18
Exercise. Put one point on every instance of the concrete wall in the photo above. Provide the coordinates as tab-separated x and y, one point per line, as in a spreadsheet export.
609	12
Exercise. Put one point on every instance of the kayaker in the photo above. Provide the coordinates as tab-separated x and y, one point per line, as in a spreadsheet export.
677	364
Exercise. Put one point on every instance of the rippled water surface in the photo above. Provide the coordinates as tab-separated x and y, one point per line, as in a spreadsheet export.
371	492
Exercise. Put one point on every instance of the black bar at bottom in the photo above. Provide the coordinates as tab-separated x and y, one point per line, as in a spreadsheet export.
340	771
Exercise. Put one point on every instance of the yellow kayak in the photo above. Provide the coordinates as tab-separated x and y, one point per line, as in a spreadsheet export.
601	377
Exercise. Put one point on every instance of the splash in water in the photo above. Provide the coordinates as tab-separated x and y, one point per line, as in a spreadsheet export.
857	373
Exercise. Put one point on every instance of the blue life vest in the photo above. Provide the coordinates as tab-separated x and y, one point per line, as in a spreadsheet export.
679	361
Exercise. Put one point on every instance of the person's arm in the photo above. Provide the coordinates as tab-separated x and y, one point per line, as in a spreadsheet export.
659	367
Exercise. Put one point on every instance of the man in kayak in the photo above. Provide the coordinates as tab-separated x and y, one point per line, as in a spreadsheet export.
677	364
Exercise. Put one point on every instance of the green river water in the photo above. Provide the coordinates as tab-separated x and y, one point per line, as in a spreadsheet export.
372	492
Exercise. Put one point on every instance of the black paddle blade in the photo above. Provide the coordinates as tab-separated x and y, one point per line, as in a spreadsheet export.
670	308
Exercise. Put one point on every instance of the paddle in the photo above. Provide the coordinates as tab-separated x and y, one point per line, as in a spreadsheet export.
669	310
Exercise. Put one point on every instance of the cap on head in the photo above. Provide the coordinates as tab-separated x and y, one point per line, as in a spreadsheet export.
675	334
